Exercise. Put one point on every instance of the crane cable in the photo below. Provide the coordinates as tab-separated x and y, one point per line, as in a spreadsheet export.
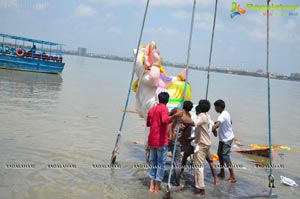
117	143
211	48
270	177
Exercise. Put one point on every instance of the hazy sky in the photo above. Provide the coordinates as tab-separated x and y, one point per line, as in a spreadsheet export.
113	27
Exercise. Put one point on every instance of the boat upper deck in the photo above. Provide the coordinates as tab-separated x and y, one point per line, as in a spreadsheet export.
29	40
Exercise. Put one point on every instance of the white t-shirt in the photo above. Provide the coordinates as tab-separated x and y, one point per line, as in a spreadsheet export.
211	123
225	129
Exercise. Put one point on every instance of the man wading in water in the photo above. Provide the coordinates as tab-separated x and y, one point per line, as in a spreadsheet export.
225	139
158	120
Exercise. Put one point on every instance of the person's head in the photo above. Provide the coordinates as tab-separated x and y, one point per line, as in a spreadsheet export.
163	97
174	111
198	110
187	106
203	106
219	105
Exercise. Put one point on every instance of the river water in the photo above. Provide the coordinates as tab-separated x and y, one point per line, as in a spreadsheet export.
63	128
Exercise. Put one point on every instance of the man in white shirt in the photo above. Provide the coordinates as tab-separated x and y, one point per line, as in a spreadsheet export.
226	136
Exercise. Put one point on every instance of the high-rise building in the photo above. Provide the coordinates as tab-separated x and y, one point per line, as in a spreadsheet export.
81	51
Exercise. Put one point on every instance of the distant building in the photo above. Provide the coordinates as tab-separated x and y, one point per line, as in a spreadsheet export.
295	76
82	51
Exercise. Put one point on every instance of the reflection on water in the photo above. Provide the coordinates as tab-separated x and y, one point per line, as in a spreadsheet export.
28	89
28	84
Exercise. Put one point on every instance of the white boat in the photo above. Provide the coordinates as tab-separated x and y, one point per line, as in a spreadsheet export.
288	181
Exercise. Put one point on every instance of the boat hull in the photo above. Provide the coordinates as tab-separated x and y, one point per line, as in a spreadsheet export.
29	64
264	152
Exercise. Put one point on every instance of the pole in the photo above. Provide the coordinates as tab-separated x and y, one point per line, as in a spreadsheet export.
184	93
114	154
270	177
211	47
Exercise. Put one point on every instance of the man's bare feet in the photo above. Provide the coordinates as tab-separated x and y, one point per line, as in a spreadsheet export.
151	189
180	186
231	180
200	191
216	182
157	187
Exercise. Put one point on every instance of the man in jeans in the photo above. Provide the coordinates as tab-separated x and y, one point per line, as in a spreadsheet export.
158	119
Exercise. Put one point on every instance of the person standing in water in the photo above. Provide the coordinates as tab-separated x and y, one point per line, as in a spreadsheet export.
202	144
225	133
158	120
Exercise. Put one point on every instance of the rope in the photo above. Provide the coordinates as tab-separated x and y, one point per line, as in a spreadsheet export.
113	158
270	177
211	47
184	92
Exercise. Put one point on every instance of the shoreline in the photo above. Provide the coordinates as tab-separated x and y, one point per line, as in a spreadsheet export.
217	70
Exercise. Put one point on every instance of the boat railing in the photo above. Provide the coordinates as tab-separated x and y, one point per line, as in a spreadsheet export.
31	53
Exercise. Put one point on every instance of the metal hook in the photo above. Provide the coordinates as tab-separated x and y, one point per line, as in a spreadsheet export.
271	181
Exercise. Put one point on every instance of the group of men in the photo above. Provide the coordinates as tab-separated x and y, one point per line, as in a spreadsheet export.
194	138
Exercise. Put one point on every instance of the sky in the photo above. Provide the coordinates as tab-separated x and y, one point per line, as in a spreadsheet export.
113	27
